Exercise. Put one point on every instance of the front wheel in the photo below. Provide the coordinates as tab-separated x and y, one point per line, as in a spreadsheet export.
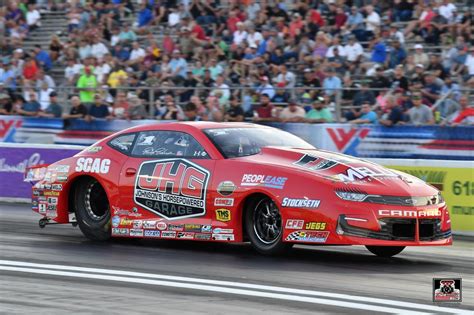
92	210
264	227
385	251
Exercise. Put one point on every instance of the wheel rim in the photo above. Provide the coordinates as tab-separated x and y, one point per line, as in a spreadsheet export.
267	222
97	205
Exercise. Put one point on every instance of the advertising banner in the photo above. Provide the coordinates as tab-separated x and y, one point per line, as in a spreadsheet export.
455	179
15	158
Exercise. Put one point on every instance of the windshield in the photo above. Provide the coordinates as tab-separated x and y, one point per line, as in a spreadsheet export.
237	142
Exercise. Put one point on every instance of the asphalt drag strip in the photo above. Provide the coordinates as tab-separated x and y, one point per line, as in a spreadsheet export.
346	301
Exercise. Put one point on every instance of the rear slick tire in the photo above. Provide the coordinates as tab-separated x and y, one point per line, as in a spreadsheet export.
264	227
92	210
385	251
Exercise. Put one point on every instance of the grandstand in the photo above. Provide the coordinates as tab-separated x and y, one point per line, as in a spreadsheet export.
403	58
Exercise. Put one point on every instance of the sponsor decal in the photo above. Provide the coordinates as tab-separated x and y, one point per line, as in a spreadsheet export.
160	225
172	188
226	188
42	208
300	203
308	236
119	211
126	221
203	237
42	198
314	163
138	224
185	235
192	227
61	178
115	221
57	187
293	224
223	237
277	182
152	233
52	200
447	290
206	229
34	203
90	165
223	215
136	232
364	173
410	213
168	234
60	168
176	227
51	214
149	225
51	208
51	193
224	202
223	231
37	192
94	149
120	231
320	226
463	210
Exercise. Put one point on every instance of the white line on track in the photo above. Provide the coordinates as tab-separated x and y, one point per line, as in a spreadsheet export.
355	302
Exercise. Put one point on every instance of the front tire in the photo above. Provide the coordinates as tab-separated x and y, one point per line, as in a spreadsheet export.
264	227
385	251
92	210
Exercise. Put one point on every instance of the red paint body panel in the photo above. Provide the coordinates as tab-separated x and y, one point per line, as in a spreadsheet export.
301	182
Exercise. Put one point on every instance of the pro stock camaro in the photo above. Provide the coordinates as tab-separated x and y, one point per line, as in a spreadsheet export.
236	182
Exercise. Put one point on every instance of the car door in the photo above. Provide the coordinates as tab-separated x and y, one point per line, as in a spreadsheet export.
167	176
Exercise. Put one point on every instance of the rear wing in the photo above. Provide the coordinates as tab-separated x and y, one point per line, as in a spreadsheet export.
35	173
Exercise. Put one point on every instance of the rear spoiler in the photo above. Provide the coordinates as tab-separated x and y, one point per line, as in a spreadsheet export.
35	173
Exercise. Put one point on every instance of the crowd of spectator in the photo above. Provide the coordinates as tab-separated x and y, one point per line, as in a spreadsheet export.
387	62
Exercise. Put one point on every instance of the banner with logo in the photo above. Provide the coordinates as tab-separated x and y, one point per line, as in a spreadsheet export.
455	179
15	158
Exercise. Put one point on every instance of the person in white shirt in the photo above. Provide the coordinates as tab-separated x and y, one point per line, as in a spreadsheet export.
33	17
447	10
372	20
336	43
221	89
287	77
253	37
252	10
43	96
353	50
292	113
136	55
98	49
240	34
469	63
265	87
420	57
101	71
72	71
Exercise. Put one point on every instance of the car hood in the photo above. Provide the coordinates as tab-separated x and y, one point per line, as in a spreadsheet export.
343	172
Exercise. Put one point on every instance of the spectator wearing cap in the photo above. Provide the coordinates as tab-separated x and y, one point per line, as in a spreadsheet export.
87	85
296	25
319	113
98	110
77	110
396	55
312	81
235	111
368	116
419	114
221	90
399	78
281	95
265	87
380	81
436	67
331	84
431	90
54	109
42	58
178	66
30	108
292	113
265	110
338	62
420	57
286	76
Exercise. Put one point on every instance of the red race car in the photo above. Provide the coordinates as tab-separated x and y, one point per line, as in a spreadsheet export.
237	182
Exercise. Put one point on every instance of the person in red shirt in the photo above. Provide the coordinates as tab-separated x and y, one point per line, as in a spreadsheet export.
296	25
30	70
198	35
316	17
265	111
465	115
232	21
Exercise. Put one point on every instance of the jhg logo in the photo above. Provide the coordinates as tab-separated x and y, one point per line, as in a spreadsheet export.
172	188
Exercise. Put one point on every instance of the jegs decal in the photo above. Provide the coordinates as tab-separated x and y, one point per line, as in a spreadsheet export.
172	188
